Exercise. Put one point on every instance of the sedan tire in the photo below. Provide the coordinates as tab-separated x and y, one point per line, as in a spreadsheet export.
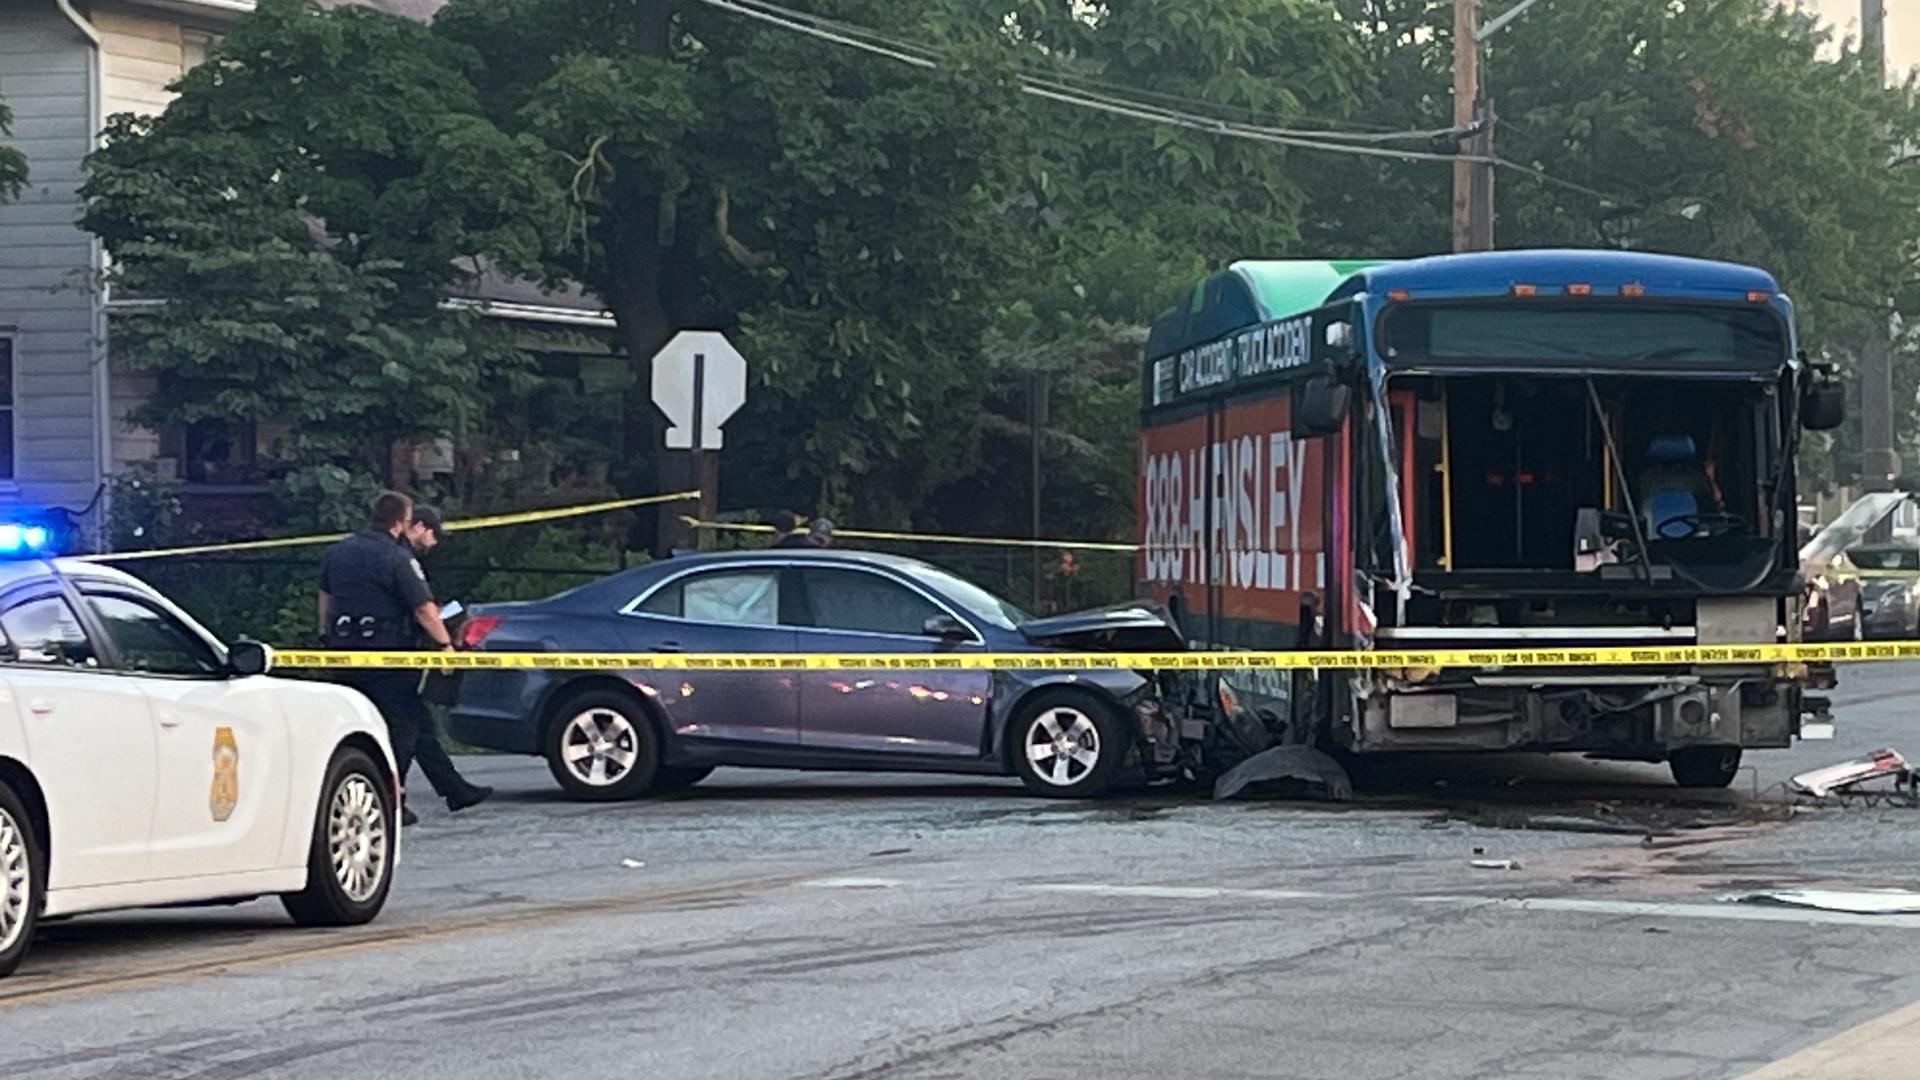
601	746
1067	745
350	860
680	778
23	880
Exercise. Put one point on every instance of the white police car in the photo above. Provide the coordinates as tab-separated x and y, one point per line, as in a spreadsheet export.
143	763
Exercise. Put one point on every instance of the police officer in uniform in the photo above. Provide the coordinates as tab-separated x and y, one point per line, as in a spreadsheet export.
421	537
373	595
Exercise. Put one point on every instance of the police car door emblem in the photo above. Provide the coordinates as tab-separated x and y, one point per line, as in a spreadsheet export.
225	793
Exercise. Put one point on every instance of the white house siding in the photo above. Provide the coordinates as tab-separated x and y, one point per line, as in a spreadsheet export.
47	302
142	52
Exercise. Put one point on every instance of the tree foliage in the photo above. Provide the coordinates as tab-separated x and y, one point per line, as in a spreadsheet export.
899	248
1734	130
834	211
13	163
302	211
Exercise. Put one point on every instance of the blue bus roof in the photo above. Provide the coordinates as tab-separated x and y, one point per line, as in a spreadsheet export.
1251	292
1495	273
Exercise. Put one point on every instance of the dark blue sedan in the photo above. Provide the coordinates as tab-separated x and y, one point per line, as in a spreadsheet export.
616	735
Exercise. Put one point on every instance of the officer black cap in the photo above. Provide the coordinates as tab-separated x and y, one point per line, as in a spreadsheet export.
429	516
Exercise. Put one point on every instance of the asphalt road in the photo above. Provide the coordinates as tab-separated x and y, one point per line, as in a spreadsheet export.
775	925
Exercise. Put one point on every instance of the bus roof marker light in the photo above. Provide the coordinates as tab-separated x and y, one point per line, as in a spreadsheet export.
1758	296
1579	289
1526	290
1633	289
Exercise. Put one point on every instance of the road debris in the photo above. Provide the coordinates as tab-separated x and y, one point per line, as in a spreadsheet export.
1857	902
1495	864
632	864
1848	779
883	852
1286	771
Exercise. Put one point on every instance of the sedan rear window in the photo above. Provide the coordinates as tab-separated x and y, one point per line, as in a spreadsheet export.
736	597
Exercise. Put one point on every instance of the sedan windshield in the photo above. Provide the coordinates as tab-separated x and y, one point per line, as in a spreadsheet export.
976	600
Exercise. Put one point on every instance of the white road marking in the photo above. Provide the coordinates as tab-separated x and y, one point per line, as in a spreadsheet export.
1183	892
854	883
1722	912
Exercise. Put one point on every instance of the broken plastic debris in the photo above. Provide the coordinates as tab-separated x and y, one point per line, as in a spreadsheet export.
632	864
1860	902
1823	782
1285	771
1495	864
888	851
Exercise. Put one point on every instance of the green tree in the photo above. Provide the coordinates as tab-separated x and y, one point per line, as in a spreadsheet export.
302	210
1119	216
838	213
13	163
1730	130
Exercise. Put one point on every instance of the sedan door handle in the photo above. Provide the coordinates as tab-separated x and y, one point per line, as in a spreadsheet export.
169	719
40	706
668	646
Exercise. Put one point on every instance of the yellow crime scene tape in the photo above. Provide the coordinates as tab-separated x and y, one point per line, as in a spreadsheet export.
493	521
925	538
1351	659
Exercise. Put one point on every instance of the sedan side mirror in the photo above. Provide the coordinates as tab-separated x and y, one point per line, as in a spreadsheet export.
946	628
248	658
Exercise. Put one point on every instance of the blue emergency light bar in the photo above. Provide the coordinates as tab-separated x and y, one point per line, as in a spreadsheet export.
18	540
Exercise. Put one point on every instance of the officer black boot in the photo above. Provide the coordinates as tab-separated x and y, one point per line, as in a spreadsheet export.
407	816
474	795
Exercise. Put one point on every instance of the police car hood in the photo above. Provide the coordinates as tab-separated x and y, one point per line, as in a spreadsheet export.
1122	628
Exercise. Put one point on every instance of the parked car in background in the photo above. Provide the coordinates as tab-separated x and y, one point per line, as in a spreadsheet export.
618	734
1833	610
1889	576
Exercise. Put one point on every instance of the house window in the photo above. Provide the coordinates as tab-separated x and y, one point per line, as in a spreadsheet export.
6	407
212	451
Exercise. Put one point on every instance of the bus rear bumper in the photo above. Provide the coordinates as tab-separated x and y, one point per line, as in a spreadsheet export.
1633	719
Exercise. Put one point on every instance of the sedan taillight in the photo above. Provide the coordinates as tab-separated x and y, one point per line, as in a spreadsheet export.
476	630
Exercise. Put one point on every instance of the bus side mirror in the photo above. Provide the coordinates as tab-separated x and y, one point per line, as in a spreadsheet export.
1823	402
1320	408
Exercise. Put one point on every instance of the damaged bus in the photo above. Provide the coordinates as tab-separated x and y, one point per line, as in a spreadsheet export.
1499	450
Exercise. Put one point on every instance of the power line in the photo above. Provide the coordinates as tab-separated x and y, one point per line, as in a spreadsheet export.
1061	72
1061	90
923	56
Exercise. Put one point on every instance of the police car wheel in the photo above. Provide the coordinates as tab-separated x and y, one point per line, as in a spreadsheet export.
602	746
350	861
1067	745
23	877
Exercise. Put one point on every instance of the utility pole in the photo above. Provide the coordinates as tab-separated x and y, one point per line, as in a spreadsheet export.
1466	95
1037	420
1880	461
1472	180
